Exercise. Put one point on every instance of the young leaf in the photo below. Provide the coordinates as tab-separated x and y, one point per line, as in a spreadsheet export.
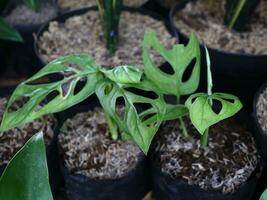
124	74
26	175
131	123
202	114
9	33
264	195
73	68
179	57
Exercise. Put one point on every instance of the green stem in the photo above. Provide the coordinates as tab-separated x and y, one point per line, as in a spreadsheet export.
112	127
238	10
204	138
184	130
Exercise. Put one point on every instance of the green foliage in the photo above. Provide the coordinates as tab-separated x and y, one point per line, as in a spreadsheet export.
109	85
239	12
26	175
33	4
110	11
179	57
9	33
264	195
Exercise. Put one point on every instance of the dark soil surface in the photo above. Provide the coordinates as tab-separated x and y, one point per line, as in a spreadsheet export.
11	141
207	20
261	110
228	161
87	148
83	34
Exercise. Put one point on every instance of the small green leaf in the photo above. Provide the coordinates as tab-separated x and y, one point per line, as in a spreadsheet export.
202	114
26	175
264	195
179	57
9	33
124	74
131	122
73	68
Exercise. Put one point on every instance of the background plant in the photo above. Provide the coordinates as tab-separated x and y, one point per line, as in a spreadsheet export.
264	195
6	31
26	175
109	11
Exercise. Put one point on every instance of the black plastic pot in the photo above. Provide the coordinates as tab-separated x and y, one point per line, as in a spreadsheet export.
55	177
81	11
240	74
133	186
261	137
169	188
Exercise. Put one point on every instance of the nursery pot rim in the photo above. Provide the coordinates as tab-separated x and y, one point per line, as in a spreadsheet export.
179	6
254	112
64	16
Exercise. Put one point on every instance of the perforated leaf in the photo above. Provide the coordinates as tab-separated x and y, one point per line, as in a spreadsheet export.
131	122
26	175
73	68
202	114
124	74
179	57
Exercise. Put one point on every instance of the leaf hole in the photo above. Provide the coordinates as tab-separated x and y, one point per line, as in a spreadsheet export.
18	104
49	78
120	107
216	106
229	100
170	99
148	116
160	62
50	97
141	107
144	93
188	71
108	88
80	85
65	87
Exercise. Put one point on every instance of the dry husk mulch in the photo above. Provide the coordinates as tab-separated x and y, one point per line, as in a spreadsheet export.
207	20
87	148
12	140
261	110
22	15
229	160
75	4
83	34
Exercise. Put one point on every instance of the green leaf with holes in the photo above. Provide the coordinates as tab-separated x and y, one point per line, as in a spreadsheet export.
202	114
264	195
73	68
131	121
179	57
9	33
124	74
26	175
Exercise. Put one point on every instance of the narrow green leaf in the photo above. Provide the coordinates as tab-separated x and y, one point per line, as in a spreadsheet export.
73	68
202	114
264	195
124	74
33	4
26	175
179	57
9	33
131	122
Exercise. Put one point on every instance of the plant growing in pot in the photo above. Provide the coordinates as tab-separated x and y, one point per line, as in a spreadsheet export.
85	31
99	159
65	5
234	32
26	175
223	163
